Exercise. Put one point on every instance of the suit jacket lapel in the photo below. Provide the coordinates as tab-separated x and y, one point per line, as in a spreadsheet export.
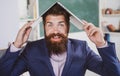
47	59
48	63
69	58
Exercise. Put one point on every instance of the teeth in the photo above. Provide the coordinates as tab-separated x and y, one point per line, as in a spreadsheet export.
56	37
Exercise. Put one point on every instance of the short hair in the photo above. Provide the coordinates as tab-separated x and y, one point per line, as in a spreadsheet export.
57	10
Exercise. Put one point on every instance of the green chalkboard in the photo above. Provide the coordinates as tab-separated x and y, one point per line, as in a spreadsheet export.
83	9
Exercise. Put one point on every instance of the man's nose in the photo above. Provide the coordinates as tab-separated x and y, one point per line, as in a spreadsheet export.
56	29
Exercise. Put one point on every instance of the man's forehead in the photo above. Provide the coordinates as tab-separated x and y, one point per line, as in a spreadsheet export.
55	16
59	18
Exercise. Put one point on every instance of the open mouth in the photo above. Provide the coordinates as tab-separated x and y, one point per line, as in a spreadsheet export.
56	38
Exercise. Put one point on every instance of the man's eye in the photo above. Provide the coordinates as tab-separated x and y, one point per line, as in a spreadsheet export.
61	25
49	25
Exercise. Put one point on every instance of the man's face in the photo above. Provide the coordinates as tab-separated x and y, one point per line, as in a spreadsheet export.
56	34
55	25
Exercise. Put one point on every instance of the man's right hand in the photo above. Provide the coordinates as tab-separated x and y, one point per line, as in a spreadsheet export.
23	35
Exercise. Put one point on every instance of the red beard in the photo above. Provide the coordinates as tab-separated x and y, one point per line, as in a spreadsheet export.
56	47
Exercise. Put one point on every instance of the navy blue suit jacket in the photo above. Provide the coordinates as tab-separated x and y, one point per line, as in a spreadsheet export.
80	57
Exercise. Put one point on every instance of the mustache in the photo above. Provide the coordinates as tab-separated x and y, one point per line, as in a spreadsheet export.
56	34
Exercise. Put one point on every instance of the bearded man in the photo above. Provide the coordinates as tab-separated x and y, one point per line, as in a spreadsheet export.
56	54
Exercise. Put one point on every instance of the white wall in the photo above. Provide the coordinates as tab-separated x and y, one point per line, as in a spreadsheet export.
9	21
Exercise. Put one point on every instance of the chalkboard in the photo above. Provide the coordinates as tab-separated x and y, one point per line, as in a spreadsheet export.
83	9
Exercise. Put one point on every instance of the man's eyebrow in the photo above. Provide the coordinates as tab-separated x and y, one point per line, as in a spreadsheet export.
49	22
58	22
62	22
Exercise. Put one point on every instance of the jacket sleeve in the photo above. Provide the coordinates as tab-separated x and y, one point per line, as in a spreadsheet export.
107	64
10	63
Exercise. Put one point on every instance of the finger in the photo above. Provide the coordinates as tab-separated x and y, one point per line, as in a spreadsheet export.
26	34
28	30
23	30
91	29
88	27
93	32
27	25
